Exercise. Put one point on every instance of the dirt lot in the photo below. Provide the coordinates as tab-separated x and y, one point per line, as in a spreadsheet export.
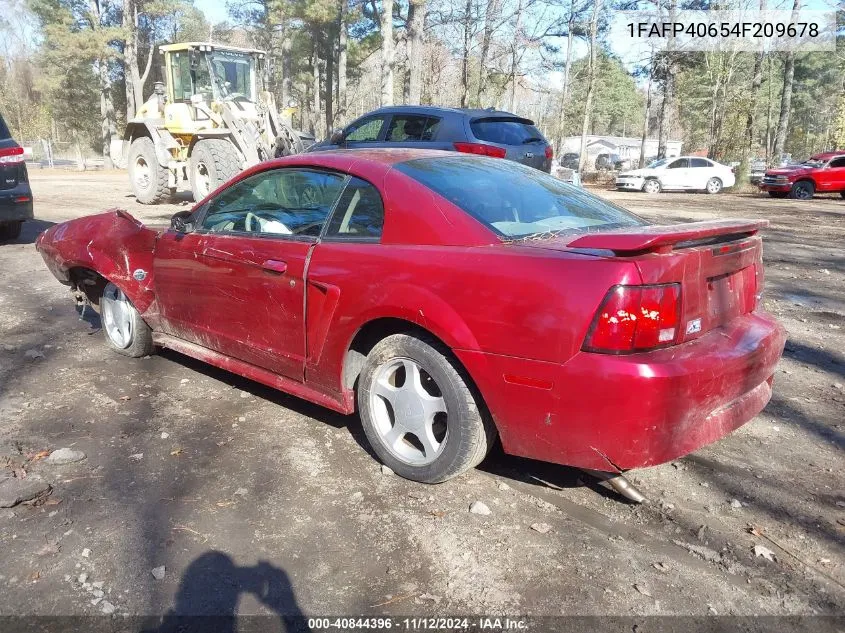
255	502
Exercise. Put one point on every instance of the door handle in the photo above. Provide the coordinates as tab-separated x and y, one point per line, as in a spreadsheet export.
274	266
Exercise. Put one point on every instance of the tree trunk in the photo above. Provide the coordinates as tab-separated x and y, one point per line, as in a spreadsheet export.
786	95
329	94
567	69
667	106
130	57
756	82
591	80
416	27
491	15
641	164
286	63
316	90
467	24
387	53
108	125
515	56
341	60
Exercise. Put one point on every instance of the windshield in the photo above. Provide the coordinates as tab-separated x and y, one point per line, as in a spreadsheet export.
657	163
813	162
516	201
233	74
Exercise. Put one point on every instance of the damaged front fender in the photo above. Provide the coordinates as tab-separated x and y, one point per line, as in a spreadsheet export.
114	244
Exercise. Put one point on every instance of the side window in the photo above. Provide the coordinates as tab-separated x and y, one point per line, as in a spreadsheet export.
411	127
359	213
365	130
276	202
681	163
700	162
838	162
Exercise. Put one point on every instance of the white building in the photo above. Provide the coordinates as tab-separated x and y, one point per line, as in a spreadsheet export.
626	147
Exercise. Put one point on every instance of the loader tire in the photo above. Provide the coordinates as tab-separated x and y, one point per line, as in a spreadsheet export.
148	178
213	162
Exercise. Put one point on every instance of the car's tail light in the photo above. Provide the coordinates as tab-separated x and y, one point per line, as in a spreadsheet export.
549	152
481	149
11	155
635	319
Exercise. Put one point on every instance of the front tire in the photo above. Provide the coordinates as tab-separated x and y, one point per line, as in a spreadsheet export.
651	185
149	179
802	190
713	186
418	411
212	162
125	330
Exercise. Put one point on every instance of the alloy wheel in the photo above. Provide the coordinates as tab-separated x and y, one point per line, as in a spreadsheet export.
116	312
409	412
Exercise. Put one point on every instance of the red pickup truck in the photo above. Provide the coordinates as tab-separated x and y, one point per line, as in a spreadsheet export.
822	173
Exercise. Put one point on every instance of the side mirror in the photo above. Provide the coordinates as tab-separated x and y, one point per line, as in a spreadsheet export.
181	222
337	137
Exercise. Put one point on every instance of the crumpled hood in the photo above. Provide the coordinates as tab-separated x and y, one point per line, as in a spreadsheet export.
638	172
788	171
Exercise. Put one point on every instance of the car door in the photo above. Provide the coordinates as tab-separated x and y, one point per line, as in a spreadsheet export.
700	171
832	177
236	283
676	174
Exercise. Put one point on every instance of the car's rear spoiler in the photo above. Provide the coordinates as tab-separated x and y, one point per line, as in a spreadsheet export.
661	238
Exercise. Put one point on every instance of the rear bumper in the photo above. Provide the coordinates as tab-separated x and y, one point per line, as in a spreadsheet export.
15	205
605	412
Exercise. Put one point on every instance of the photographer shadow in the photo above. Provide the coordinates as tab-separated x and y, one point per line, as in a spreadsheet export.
211	588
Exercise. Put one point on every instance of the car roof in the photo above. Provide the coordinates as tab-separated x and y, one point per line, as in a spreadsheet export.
470	112
828	155
340	158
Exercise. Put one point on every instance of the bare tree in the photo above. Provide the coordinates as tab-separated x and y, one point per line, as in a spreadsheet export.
786	95
416	28
387	52
591	80
342	37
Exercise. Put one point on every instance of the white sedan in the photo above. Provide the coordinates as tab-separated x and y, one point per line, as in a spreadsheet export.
684	173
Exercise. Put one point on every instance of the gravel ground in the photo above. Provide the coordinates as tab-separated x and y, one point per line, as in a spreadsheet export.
202	492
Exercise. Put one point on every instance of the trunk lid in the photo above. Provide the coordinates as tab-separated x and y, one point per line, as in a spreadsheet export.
717	263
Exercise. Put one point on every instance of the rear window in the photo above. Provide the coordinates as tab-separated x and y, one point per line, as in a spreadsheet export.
4	131
506	131
516	201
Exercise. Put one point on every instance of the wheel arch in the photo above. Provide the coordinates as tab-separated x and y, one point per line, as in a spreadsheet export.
162	140
369	334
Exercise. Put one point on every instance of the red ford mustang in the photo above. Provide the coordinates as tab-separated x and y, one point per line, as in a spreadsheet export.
454	299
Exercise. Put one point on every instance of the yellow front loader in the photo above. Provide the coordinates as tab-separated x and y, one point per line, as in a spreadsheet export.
210	119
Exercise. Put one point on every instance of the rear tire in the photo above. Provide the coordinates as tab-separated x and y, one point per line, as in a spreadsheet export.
10	231
148	178
411	388
213	162
802	190
713	186
125	330
652	185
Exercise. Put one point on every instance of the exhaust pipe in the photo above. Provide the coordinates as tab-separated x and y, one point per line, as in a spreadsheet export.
619	483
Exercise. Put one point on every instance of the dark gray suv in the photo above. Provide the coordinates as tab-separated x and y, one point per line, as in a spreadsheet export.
484	132
15	194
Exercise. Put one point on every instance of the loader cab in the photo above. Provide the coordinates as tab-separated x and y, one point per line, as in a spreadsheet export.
213	72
